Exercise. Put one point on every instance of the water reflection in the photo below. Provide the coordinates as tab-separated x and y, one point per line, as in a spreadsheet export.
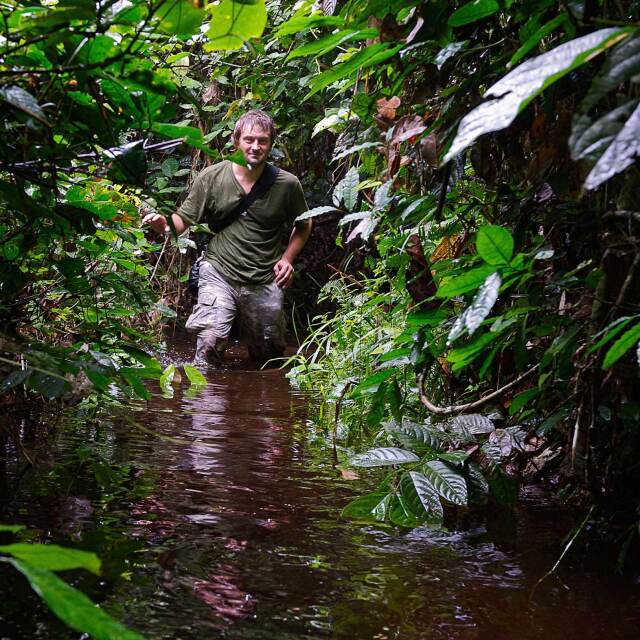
239	538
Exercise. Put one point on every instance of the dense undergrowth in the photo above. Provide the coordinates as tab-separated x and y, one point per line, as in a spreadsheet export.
481	159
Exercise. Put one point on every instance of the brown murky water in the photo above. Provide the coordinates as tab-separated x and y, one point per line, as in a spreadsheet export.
223	518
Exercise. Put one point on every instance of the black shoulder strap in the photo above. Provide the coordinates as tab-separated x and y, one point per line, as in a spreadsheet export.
261	186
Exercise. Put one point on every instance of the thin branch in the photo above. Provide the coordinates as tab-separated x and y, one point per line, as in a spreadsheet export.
470	406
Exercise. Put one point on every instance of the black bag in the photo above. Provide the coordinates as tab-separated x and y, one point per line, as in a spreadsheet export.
262	185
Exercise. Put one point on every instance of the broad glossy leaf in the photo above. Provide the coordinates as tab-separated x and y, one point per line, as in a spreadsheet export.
421	496
473	423
621	346
363	507
23	100
233	23
473	316
620	154
473	11
411	434
134	381
590	139
609	332
328	6
446	481
401	514
468	281
53	557
383	457
494	244
195	377
476	483
519	87
463	356
72	606
316	211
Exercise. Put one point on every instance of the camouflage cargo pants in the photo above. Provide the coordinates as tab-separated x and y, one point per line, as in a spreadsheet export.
258	307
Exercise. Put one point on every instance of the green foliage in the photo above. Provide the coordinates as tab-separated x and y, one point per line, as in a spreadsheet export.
492	278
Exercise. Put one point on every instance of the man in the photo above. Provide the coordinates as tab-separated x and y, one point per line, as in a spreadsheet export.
243	271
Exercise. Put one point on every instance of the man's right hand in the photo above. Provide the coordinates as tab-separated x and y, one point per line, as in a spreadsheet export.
157	222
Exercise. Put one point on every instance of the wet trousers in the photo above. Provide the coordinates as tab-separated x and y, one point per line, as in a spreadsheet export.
220	300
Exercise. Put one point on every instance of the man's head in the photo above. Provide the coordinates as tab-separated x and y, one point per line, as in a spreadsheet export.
253	135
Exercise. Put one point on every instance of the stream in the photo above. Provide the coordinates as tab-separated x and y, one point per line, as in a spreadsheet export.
217	516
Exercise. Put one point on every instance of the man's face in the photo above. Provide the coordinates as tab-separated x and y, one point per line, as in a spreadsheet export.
255	144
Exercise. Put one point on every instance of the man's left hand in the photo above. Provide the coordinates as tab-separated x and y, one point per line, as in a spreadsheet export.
284	273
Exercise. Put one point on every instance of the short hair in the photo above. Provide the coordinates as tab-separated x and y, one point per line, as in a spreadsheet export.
254	118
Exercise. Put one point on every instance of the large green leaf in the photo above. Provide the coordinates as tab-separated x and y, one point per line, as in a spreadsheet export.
473	11
519	87
531	42
53	557
371	383
494	244
621	346
365	508
447	482
468	281
195	377
180	17
473	316
471	423
421	496
72	606
233	23
383	457
463	356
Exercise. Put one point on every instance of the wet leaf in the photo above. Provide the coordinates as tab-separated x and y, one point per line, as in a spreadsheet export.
473	423
72	606
166	379
421	496
195	377
447	482
411	434
449	52
53	557
519	87
473	316
366	508
383	457
620	154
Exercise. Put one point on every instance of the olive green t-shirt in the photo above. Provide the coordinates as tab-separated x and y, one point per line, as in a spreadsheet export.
248	248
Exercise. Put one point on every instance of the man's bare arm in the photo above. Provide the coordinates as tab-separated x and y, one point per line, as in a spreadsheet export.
284	267
160	225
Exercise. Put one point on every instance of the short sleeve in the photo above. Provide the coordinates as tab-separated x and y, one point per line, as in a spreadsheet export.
297	202
193	208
